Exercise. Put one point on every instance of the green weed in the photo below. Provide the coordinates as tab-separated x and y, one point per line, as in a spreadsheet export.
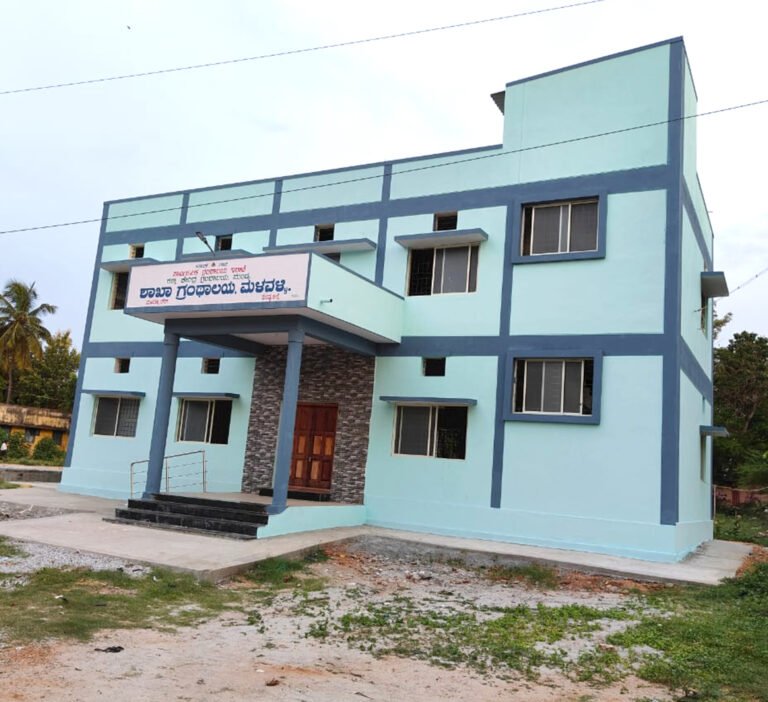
533	574
9	550
76	603
715	644
743	524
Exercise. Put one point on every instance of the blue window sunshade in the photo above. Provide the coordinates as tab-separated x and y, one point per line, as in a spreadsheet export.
714	284
710	430
324	247
421	401
115	393
446	237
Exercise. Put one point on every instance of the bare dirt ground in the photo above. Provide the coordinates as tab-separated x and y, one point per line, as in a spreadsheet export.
278	650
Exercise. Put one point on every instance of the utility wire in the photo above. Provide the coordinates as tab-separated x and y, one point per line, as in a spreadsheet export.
748	281
293	52
416	169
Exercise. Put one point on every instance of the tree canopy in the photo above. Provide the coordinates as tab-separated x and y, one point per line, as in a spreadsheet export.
50	381
741	405
22	332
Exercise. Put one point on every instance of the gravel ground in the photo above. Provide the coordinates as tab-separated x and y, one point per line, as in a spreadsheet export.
36	556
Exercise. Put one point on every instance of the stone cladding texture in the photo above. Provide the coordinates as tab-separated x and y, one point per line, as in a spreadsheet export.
328	375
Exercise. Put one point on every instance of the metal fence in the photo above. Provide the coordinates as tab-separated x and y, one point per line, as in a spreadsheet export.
187	473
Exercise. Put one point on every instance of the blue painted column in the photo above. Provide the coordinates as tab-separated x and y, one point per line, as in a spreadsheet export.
162	414
284	451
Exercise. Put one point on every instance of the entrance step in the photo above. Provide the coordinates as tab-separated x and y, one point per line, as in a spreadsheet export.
300	494
239	520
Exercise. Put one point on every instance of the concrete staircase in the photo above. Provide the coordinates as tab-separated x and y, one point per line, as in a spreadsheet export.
238	520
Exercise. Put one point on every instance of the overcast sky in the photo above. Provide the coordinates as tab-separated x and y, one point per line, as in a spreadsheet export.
64	152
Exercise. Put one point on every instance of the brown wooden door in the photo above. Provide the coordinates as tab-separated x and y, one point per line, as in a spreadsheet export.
314	440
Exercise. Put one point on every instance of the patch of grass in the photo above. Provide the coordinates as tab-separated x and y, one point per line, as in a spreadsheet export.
450	637
28	461
76	603
532	574
286	573
715	644
5	485
8	550
749	523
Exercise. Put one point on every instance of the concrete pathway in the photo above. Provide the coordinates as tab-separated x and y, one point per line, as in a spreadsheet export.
214	558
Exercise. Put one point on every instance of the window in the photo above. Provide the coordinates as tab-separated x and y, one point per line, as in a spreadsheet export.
440	432
559	227
224	243
122	365
116	416
445	220
119	290
58	436
137	251
211	365
554	385
433	366
704	310
324	232
204	420
30	435
445	270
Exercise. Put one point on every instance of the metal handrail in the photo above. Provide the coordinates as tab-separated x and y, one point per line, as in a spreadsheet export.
167	471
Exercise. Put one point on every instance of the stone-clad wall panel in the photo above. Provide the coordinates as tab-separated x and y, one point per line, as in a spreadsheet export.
328	375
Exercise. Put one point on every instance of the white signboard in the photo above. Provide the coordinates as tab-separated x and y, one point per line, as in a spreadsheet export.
261	279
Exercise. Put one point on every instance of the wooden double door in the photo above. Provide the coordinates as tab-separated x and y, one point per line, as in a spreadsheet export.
314	441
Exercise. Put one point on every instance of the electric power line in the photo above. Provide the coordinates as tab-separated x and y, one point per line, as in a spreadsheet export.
416	169
748	281
293	52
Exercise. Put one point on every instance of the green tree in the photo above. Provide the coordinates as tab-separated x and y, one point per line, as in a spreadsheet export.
22	332
741	404
51	379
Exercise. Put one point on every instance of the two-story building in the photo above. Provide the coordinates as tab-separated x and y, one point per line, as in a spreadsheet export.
512	342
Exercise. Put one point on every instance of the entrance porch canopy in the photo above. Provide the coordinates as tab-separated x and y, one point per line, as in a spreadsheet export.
213	298
246	303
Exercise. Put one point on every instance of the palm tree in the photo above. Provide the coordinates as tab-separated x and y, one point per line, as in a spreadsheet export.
21	330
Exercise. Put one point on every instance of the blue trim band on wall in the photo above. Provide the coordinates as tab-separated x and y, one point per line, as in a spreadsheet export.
277	200
630	180
670	416
381	248
689	364
698	232
600	59
86	337
596	355
154	349
497	461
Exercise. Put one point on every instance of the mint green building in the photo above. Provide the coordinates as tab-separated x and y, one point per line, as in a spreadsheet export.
512	342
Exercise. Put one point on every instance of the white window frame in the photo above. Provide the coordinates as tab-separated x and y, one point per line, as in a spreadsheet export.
466	291
431	432
562	411
562	205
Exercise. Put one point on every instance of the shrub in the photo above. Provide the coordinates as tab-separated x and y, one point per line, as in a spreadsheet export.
48	450
17	447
